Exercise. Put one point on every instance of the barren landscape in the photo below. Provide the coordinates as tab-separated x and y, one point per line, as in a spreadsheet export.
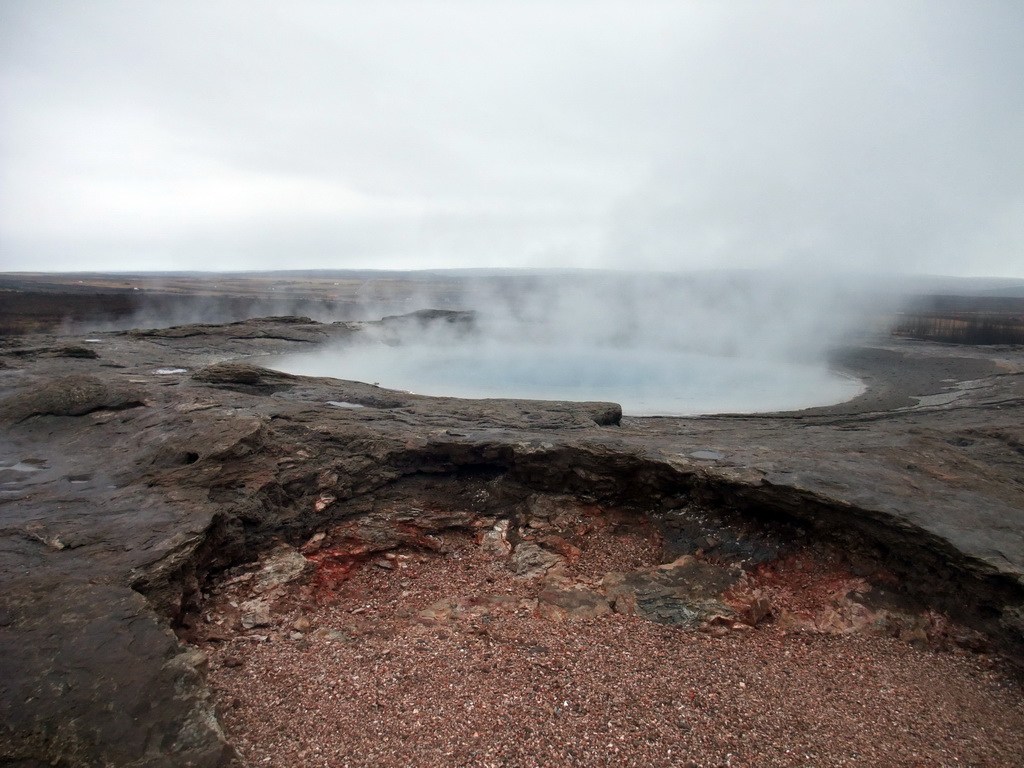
511	384
209	563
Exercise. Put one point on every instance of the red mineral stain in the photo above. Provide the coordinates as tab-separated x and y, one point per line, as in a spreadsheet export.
333	568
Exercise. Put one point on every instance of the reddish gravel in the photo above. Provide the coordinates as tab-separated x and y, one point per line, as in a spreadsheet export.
361	678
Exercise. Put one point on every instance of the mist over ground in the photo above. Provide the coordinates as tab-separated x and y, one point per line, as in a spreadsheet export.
656	343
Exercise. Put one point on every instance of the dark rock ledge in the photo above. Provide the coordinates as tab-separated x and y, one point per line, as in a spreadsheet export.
128	478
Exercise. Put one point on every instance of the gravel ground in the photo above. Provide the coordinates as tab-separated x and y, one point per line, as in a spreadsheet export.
370	671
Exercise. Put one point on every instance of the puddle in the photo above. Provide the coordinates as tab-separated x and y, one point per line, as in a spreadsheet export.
951	396
712	455
25	465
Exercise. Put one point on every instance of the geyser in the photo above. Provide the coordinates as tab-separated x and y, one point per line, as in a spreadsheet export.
655	344
643	381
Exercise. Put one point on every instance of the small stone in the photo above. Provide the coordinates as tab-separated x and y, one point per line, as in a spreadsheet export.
283	565
314	543
255	613
562	547
573	602
324	501
327	479
331	635
915	636
494	541
216	634
301	624
530	560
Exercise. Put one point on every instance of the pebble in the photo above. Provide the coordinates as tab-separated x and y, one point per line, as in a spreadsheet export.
471	689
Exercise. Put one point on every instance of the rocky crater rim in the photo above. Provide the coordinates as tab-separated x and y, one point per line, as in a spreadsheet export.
718	551
688	567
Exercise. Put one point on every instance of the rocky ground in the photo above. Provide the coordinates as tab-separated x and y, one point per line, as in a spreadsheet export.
207	563
450	657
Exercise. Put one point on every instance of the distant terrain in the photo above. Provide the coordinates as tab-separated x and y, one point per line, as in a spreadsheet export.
979	319
967	310
44	302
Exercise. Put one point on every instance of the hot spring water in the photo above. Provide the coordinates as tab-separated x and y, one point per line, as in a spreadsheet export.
643	381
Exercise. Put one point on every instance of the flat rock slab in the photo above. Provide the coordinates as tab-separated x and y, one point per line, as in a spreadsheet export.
685	592
129	475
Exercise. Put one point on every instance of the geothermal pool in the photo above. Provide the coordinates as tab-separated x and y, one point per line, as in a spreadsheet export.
645	382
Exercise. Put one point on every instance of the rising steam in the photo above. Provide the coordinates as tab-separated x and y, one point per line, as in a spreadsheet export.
656	343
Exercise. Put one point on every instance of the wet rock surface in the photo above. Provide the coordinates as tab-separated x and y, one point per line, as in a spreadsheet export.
140	485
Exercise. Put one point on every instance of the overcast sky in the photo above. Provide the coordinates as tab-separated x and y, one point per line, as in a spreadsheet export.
247	134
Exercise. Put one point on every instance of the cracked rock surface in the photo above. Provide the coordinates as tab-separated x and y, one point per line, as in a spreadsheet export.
136	483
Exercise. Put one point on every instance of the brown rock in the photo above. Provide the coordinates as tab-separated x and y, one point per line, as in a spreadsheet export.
70	396
255	613
283	565
572	603
562	547
530	560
